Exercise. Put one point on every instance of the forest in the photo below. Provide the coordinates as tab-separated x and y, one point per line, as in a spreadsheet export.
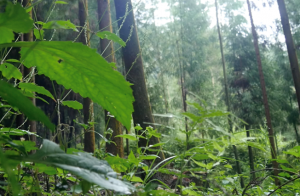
149	97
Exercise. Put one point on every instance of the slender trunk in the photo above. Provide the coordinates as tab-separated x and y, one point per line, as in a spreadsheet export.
296	132
251	158
182	79
134	68
265	97
290	47
30	71
239	170
183	95
88	109
107	51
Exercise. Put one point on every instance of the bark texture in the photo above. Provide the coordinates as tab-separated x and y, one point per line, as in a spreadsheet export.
134	68
237	162
88	111
265	97
107	51
290	47
29	72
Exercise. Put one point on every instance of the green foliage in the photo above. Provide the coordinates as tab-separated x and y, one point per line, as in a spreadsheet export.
60	25
14	19
85	72
10	71
110	36
73	104
30	87
16	99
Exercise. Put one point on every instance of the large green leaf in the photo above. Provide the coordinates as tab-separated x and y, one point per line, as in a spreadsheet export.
6	35
60	24
16	99
83	165
81	69
30	87
15	18
10	71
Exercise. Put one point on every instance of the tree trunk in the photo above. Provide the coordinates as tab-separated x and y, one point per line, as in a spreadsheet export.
107	51
296	132
88	111
251	158
30	71
290	47
265	97
182	80
134	68
237	162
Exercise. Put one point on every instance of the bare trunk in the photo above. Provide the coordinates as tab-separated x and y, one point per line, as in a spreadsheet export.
251	158
88	111
107	51
30	71
182	80
265	97
296	132
290	47
134	68
239	170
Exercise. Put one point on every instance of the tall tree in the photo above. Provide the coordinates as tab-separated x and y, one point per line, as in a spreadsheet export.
30	73
107	51
88	113
239	170
265	97
290	47
134	67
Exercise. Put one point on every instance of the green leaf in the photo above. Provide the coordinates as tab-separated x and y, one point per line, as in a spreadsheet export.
228	166
9	170
31	87
294	151
15	18
73	104
289	169
148	157
85	186
199	163
39	34
209	165
45	169
138	127
61	2
10	71
156	145
256	145
193	117
111	36
19	132
28	145
84	71
158	193
127	136
284	174
280	160
6	35
150	186
134	179
13	60
83	165
16	99
60	24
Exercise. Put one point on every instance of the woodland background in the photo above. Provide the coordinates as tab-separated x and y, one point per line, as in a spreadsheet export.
216	97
